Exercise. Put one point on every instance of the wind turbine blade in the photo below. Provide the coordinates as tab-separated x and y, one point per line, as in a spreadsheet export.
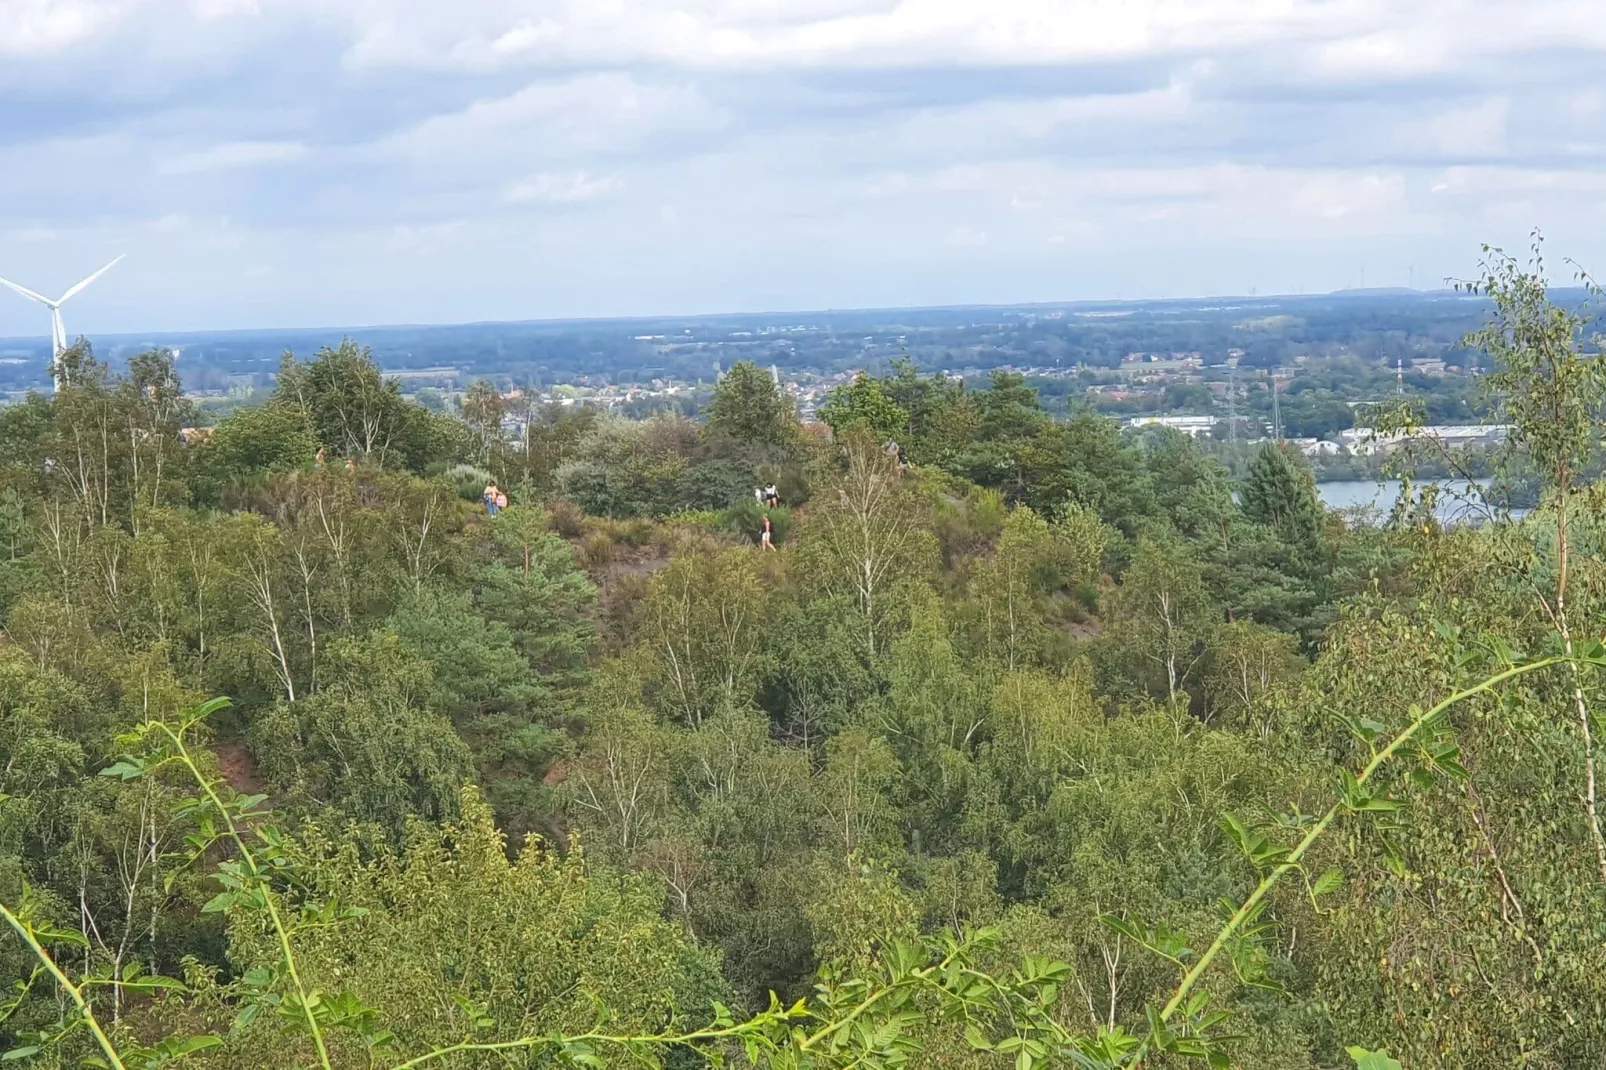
24	291
80	287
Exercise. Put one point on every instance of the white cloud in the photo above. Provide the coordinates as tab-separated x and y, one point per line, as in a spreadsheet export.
1497	182
1223	198
1344	38
593	113
1459	133
374	155
571	188
222	9
233	155
996	124
41	27
965	237
716	34
1586	103
406	238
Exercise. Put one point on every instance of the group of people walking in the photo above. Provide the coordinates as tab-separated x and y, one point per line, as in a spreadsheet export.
319	460
495	500
770	498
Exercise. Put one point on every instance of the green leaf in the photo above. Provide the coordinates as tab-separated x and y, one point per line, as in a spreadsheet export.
1121	926
207	709
20	1053
127	769
1330	881
220	903
977	1038
1394	858
1373	1060
247	803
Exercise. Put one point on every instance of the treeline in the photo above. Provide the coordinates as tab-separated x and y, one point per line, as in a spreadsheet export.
1021	750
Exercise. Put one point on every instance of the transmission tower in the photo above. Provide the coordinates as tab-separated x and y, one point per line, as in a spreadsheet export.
1232	406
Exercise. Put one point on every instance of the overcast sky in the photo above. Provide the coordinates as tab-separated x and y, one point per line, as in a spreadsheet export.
345	162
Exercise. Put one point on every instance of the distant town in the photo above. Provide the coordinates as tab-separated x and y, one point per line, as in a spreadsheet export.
1308	370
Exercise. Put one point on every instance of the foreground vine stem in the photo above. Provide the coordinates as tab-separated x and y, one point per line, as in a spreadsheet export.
1191	979
73	991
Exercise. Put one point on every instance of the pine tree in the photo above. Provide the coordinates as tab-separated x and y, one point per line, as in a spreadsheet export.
750	407
1281	492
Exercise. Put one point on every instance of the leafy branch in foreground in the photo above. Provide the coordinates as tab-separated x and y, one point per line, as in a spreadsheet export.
876	1020
1356	796
37	935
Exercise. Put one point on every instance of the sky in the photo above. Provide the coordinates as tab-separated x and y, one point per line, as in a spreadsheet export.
274	163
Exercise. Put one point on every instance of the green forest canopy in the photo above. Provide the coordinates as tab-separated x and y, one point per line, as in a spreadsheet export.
1040	744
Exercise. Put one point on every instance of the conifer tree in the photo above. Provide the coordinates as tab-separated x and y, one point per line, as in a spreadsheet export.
1281	493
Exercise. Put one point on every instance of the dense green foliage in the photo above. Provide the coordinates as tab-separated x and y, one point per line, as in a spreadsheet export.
1022	754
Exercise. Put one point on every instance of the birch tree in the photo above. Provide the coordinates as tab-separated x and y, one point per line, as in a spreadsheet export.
867	535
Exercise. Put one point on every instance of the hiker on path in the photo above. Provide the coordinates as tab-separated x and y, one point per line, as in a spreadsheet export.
490	498
896	455
766	534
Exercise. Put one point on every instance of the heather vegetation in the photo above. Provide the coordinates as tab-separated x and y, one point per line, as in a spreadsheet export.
1033	743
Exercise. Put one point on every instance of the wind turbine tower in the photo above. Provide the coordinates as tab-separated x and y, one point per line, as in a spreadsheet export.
58	330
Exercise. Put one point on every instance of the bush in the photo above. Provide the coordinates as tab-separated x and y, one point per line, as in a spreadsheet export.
711	485
565	518
469	481
699	519
596	549
746	519
636	533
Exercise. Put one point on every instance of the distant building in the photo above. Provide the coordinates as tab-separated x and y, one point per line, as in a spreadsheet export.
1193	426
1452	436
1316	447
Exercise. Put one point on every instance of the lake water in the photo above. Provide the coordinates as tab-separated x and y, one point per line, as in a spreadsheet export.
1458	503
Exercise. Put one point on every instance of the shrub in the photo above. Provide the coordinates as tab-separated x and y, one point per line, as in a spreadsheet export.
746	518
469	481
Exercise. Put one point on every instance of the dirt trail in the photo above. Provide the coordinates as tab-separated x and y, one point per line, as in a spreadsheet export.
239	769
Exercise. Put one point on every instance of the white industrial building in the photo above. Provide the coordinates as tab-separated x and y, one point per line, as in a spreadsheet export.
1194	426
1452	436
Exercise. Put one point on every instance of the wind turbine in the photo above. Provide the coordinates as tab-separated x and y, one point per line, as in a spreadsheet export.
58	330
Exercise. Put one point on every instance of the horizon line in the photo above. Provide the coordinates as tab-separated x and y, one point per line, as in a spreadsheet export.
1357	292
